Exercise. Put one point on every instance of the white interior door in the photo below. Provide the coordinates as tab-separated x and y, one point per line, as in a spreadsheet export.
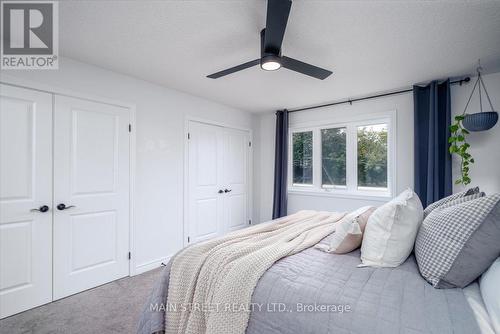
218	177
91	179
205	203
25	184
236	148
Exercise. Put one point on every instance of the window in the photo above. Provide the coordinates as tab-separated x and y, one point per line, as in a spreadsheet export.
372	156
333	157
347	159
302	158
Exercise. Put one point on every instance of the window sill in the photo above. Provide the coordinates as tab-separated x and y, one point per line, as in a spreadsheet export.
378	197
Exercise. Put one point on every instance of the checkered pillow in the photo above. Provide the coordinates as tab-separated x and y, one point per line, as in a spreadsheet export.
461	200
447	199
456	244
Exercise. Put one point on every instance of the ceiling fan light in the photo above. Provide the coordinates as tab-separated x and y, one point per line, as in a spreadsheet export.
270	63
270	66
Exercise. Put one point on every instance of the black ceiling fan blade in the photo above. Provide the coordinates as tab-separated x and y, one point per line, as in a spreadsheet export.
304	68
234	69
276	20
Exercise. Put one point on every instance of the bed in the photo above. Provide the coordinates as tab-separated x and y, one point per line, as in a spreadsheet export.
328	293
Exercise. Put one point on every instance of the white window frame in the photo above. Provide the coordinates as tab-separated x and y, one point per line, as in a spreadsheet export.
351	190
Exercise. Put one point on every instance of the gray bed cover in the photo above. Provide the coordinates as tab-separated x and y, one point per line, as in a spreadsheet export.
381	300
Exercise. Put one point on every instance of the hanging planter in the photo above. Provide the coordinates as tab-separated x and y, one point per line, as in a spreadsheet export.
464	123
480	121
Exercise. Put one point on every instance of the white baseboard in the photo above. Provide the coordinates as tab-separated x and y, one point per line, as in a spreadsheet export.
147	266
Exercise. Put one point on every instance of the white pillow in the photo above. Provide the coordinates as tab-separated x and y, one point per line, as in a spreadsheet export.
490	291
391	231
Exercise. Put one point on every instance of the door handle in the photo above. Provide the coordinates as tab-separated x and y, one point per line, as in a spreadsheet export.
221	191
63	206
43	208
227	190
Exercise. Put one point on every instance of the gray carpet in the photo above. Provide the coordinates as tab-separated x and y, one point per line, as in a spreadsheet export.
111	308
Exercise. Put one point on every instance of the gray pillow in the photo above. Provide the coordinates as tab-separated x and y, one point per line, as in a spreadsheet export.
447	199
461	200
456	244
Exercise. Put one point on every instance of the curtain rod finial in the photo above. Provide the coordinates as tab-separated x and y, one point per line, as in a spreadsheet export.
464	80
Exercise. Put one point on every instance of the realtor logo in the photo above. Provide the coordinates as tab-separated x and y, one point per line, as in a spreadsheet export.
29	35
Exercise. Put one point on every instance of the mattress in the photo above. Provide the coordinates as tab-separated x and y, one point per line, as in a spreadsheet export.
317	292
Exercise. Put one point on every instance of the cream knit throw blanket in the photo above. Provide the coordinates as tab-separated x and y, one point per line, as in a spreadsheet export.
210	276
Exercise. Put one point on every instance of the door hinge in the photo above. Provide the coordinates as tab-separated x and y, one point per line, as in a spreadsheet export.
249	144
189	239
189	135
130	128
129	255
249	222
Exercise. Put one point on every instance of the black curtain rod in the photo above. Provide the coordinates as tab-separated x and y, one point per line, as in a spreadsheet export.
350	101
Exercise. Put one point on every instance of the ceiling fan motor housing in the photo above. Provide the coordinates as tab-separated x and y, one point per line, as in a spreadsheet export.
269	51
268	56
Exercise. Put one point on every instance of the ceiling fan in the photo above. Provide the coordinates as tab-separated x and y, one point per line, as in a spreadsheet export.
271	38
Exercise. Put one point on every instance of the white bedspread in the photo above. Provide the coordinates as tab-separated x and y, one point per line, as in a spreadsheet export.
220	273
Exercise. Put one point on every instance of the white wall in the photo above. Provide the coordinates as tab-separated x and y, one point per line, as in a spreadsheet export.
485	147
160	117
264	166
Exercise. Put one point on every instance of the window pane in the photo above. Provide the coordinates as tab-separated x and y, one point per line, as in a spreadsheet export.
302	157
372	156
333	153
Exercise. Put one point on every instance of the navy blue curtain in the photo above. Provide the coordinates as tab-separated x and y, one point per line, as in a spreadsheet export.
432	119
280	165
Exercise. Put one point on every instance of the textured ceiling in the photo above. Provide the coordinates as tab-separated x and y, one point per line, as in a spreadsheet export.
371	46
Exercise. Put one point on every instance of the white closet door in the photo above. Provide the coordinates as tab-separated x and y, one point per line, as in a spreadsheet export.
91	178
205	174
236	148
25	184
218	179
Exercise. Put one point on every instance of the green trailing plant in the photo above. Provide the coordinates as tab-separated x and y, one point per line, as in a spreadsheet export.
459	146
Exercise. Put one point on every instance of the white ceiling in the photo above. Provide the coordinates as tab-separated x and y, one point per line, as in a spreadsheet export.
371	46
